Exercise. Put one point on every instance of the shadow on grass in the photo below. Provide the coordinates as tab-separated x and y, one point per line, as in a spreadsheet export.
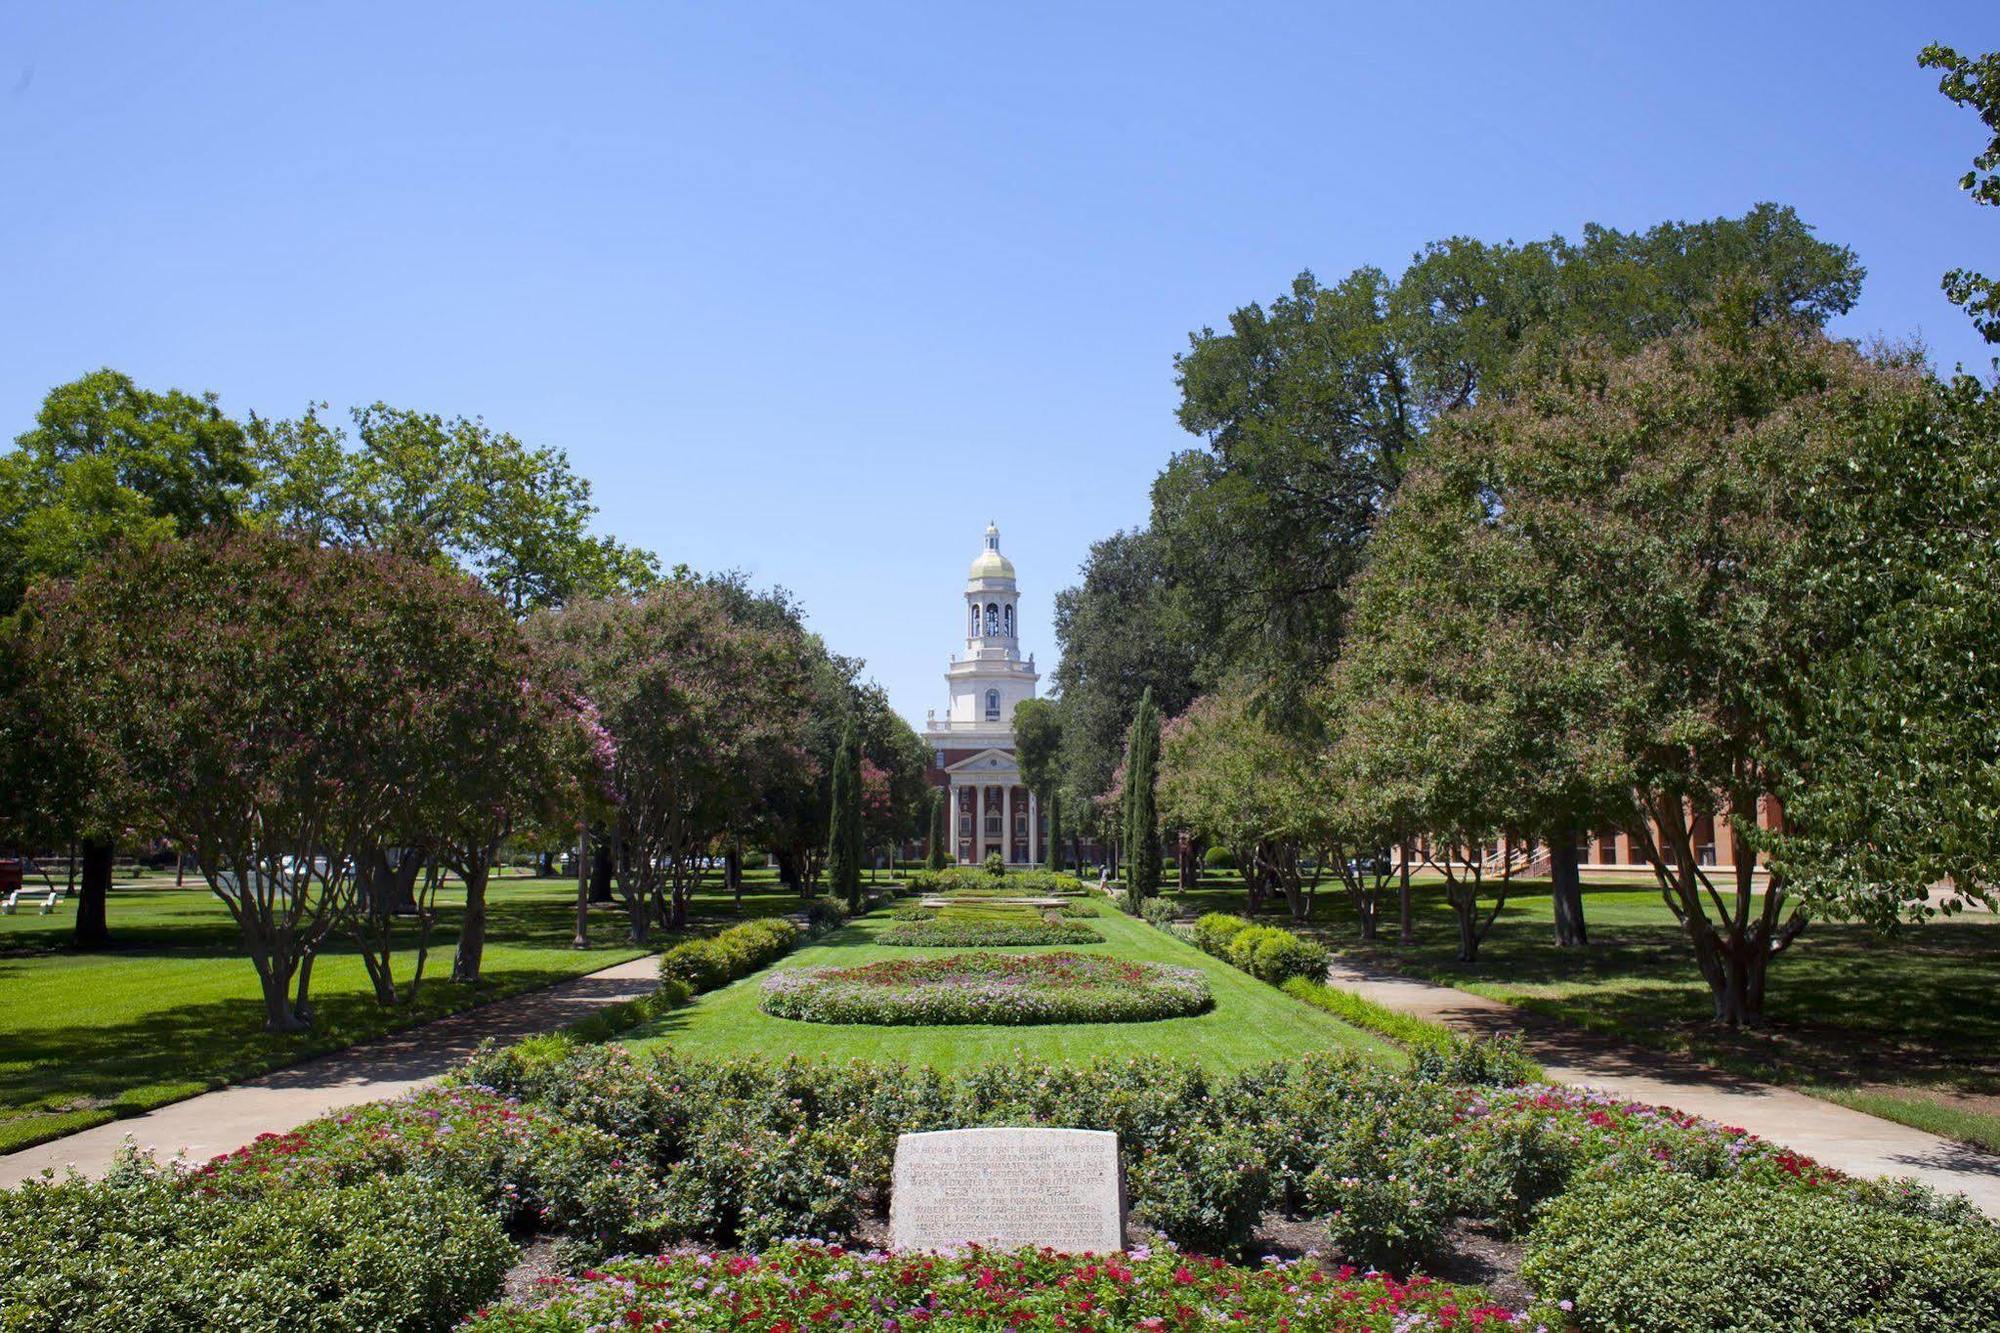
1844	1005
138	1063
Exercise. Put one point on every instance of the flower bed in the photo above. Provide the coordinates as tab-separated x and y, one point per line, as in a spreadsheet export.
988	988
951	932
814	1286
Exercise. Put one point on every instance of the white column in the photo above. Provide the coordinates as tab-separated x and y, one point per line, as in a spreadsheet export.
1034	830
1007	823
951	823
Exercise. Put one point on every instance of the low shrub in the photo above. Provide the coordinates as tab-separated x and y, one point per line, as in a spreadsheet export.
1265	952
527	1167
812	1286
716	960
995	864
1214	930
147	1248
988	988
948	932
825	915
1668	1252
975	882
914	912
1205	1188
1159	912
1275	955
1218	858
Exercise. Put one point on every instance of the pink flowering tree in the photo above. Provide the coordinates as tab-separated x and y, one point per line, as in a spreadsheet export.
279	711
699	710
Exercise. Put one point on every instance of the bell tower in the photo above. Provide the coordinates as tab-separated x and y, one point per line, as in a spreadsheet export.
972	745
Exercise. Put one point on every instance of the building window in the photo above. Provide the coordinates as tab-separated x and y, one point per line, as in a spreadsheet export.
995	817
968	812
992	705
1007	620
993	619
973	628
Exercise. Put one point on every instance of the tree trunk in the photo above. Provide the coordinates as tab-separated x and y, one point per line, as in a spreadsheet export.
180	868
472	931
600	872
1407	906
92	932
581	940
732	871
1467	911
1566	890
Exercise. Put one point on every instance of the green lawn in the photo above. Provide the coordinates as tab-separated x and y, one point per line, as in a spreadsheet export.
173	1008
1250	1023
1908	1027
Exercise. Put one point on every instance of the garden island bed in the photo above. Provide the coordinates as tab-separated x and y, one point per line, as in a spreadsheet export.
949	932
982	926
988	988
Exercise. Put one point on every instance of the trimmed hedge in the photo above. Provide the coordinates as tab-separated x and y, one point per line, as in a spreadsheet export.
717	960
975	881
1662	1253
1265	952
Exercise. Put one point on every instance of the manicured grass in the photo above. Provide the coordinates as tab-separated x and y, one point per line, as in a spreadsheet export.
173	1009
1907	1028
1251	1022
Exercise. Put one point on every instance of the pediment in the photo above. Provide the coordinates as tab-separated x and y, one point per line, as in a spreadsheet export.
992	760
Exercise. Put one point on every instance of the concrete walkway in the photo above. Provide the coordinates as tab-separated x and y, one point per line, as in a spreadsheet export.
1859	1144
221	1121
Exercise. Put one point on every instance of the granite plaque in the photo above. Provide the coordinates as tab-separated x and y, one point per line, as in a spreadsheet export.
1004	1188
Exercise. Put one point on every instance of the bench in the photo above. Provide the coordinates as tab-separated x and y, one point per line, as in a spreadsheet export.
14	901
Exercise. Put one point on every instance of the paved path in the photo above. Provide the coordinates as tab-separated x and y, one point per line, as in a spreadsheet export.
1859	1144
217	1122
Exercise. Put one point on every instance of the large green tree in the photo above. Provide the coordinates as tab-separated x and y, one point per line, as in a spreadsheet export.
1974	82
1308	408
1893	792
1120	635
1664	506
444	489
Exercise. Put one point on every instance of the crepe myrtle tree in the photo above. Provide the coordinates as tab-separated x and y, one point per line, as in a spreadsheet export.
1668	506
108	461
1232	779
698	710
274	708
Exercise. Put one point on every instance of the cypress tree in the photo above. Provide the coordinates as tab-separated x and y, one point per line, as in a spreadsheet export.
1142	824
940	830
843	852
1054	849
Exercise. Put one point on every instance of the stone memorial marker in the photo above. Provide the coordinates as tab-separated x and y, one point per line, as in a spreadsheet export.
1004	1188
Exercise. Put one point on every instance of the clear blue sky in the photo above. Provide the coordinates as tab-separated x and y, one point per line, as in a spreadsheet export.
816	290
